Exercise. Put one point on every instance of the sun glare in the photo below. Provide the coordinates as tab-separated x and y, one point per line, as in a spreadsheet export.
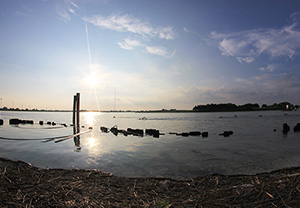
91	81
89	118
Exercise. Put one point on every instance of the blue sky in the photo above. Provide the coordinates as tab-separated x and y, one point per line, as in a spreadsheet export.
143	55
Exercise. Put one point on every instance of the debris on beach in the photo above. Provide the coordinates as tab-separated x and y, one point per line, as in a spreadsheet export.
23	185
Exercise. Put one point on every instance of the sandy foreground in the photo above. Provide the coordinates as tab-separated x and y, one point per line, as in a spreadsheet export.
22	185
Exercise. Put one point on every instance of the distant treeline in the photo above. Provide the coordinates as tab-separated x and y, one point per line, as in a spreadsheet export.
245	107
32	110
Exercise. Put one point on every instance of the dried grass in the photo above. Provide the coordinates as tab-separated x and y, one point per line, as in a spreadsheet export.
22	185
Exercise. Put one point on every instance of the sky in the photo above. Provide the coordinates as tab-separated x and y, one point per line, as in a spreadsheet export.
147	55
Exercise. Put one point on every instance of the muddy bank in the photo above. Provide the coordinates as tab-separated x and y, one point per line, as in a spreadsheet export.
22	185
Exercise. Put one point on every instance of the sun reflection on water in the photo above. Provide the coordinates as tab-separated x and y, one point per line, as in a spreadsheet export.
93	146
91	142
89	118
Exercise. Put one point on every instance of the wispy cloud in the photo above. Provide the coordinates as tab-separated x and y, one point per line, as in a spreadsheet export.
192	31
144	30
129	44
269	68
246	46
126	23
160	51
66	8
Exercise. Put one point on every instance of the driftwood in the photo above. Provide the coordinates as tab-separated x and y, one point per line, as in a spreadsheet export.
22	185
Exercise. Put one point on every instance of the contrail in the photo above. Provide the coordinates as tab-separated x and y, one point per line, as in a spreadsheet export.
90	57
88	41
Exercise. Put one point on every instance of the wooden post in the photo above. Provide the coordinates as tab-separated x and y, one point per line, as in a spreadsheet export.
78	110
74	109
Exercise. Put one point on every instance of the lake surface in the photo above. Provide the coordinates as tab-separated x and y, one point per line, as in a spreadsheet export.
254	146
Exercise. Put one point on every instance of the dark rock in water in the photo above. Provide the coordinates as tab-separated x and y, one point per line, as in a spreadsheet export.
178	134
297	127
114	130
122	131
90	127
185	134
65	125
286	128
41	122
195	133
1	122
14	121
172	133
226	133
53	123
205	134
104	129
156	134
29	122
48	122
275	130
152	132
135	132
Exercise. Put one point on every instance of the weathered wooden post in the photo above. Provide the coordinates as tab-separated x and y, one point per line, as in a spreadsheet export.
76	120
78	110
74	109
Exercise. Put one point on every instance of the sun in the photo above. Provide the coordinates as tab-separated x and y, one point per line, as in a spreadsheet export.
91	80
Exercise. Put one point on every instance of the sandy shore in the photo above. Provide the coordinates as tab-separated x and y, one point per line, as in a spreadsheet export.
22	185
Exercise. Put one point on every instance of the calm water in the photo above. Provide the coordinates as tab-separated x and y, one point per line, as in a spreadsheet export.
253	147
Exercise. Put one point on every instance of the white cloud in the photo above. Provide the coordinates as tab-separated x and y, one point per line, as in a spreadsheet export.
129	44
245	59
246	46
160	51
127	23
165	33
66	9
270	68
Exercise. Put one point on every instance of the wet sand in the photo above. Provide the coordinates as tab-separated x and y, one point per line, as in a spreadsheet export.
22	185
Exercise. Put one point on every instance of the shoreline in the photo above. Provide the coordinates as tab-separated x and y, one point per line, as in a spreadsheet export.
23	185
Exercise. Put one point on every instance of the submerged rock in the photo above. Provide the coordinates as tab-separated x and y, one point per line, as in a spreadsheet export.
297	127
205	134
195	133
226	133
286	128
14	121
104	129
114	130
152	132
185	134
135	132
